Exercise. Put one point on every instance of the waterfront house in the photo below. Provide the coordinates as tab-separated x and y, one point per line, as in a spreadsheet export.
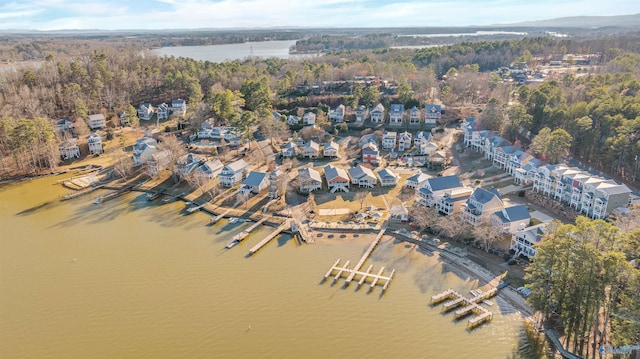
387	177
427	148
337	178
143	150
309	180
433	189
233	173
432	114
209	169
64	125
338	114
145	111
371	154
525	241
362	176
377	114
311	149
309	119
255	182
188	163
480	205
179	107
389	140
415	116
512	219
399	213
277	178
396	114
69	149
289	150
421	137
417	180
331	149
404	141
97	121
94	141
361	113
453	200
163	111
159	161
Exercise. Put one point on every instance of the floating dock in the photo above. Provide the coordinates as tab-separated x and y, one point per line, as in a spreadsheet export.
242	235
454	300
268	238
375	279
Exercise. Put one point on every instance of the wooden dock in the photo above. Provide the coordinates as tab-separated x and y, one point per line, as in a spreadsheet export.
454	300
268	238
114	194
242	235
80	193
441	297
217	218
365	256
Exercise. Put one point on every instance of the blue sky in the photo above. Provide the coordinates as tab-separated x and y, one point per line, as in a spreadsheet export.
189	14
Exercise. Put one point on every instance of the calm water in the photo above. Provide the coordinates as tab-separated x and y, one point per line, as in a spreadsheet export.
228	52
130	279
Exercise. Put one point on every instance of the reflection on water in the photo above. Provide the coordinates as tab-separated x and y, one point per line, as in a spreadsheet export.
131	278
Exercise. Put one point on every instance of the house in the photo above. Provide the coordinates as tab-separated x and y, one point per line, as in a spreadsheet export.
371	154
337	178
389	140
404	141
361	113
69	149
433	189
159	160
145	111
396	114
432	114
64	125
330	149
338	114
309	119
97	121
377	114
428	149
289	150
453	200
311	149
387	178
370	138
209	169
525	241
482	204
143	150
293	120
437	158
95	143
188	163
309	180
179	107
255	182
277	178
512	219
163	111
415	116
469	126
233	173
417	180
421	137
362	176
399	213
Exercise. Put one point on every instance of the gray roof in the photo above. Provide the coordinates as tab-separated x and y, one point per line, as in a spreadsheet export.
254	179
212	166
397	108
441	183
237	165
331	144
361	171
483	196
386	173
331	172
515	213
95	117
313	145
307	172
418	177
432	108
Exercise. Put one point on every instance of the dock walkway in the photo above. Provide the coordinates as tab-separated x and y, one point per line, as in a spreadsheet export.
454	299
268	238
242	235
217	218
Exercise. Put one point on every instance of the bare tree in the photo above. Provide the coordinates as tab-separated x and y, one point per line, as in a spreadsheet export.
175	149
361	196
487	233
423	217
122	163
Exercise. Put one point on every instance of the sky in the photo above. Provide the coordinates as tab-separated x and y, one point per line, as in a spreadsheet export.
193	14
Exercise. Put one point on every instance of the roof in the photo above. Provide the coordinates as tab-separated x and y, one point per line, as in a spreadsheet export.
370	138
418	177
332	172
405	136
211	166
361	171
389	134
386	173
331	144
95	117
310	173
237	165
445	182
178	102
514	213
94	137
290	145
397	109
254	179
313	145
481	195
430	108
378	108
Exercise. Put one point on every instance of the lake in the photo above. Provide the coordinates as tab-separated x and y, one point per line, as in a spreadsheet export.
230	52
131	278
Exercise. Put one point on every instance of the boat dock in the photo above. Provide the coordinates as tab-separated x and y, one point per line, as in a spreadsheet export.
268	238
80	193
242	235
454	300
375	279
196	208
114	194
217	218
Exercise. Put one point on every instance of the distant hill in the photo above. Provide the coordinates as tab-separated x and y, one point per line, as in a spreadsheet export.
585	21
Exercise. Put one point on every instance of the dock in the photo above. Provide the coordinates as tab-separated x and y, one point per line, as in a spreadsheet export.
242	235
268	238
114	194
351	273
471	305
196	208
217	218
80	193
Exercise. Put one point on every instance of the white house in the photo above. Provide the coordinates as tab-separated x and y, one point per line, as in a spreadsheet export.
404	141
309	119
209	169
396	114
361	113
69	149
311	149
417	180
389	140
387	177
188	163
362	176
255	182
433	189
415	116
309	180
145	111
337	114
482	204
143	150
337	178
163	111
158	161
421	137
453	200
525	241
63	125
427	148
233	173
289	150
293	120
377	114
330	149
97	121
432	114
95	143
179	107
512	219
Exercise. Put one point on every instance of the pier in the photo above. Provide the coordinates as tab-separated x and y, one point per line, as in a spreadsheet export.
217	218
268	238
242	235
114	194
454	300
80	193
375	279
